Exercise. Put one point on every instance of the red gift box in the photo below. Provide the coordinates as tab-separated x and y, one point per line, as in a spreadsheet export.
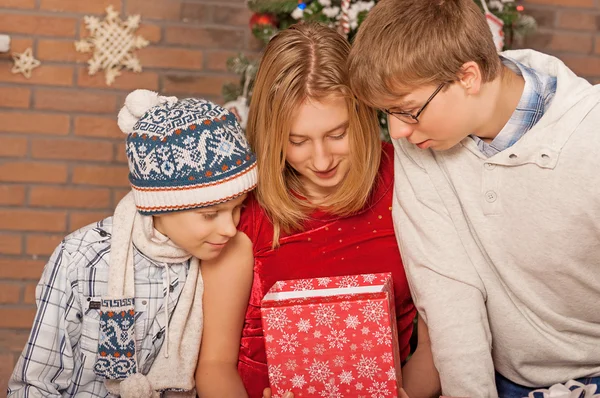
332	337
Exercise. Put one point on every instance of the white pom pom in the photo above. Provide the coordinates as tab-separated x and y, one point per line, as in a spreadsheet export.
136	386
126	120
140	101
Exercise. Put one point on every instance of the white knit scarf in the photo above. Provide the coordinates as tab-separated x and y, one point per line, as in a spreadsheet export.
174	367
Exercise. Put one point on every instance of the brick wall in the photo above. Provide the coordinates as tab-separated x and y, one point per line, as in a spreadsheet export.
568	29
62	161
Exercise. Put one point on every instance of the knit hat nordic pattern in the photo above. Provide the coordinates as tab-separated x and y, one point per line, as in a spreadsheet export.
184	154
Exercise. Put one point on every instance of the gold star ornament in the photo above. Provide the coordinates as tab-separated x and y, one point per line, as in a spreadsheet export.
25	63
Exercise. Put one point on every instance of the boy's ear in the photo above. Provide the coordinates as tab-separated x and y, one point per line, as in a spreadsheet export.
470	78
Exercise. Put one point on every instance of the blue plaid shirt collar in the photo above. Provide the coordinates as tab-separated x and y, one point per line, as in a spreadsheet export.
535	100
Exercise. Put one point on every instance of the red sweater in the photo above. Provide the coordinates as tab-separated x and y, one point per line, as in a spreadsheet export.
329	246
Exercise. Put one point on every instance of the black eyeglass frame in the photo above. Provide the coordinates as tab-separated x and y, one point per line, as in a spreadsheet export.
414	119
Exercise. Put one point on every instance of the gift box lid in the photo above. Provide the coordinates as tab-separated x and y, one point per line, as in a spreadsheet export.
328	289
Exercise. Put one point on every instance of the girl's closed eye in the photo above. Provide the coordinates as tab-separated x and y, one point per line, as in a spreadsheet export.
339	136
297	143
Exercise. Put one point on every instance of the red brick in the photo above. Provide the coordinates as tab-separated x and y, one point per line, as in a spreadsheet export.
7	362
10	293
126	81
217	60
568	19
13	146
100	127
10	244
17	4
42	245
29	293
62	197
38	25
17	45
36	123
155	9
566	3
12	195
79	6
13	341
582	65
16	268
68	100
14	97
81	219
172	58
196	85
232	15
32	220
205	37
19	318
60	51
597	45
197	12
51	75
71	150
118	194
32	172
111	176
120	153
572	42
152	33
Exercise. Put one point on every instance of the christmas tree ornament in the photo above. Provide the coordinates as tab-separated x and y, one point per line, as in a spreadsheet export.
496	26
344	22
25	63
112	42
259	19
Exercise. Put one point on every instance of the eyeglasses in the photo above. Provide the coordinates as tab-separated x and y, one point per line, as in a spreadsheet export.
409	118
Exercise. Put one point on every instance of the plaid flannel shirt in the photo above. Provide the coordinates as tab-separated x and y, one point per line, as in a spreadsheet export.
59	356
535	100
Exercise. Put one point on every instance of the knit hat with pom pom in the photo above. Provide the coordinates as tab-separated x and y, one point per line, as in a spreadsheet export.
184	154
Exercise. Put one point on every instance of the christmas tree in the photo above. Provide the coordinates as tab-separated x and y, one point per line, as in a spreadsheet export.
506	19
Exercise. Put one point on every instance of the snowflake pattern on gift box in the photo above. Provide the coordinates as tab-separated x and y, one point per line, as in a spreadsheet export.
289	343
346	377
337	339
323	281
348	281
298	381
325	315
319	371
277	319
352	321
304	325
378	390
367	367
275	374
302	284
373	311
331	390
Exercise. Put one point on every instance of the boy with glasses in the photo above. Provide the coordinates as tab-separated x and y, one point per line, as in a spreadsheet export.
496	195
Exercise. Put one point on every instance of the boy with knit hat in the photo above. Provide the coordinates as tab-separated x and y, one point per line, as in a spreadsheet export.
120	301
496	195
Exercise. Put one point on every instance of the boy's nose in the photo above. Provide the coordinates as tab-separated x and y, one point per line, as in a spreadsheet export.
399	129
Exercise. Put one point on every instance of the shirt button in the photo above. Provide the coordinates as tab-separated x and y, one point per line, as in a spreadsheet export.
491	196
490	166
159	335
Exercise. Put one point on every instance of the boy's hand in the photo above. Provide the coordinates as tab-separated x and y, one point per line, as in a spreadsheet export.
267	394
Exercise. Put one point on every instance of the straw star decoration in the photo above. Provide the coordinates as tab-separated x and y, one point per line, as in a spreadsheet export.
25	63
112	42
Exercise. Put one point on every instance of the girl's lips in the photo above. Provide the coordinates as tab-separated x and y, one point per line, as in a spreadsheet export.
326	174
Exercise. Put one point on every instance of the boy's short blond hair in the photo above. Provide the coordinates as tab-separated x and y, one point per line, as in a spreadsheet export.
404	44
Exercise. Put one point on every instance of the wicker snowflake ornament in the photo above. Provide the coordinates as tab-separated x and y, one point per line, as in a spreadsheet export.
112	42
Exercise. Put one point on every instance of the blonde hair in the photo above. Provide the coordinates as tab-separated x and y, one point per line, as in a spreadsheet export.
307	61
403	44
